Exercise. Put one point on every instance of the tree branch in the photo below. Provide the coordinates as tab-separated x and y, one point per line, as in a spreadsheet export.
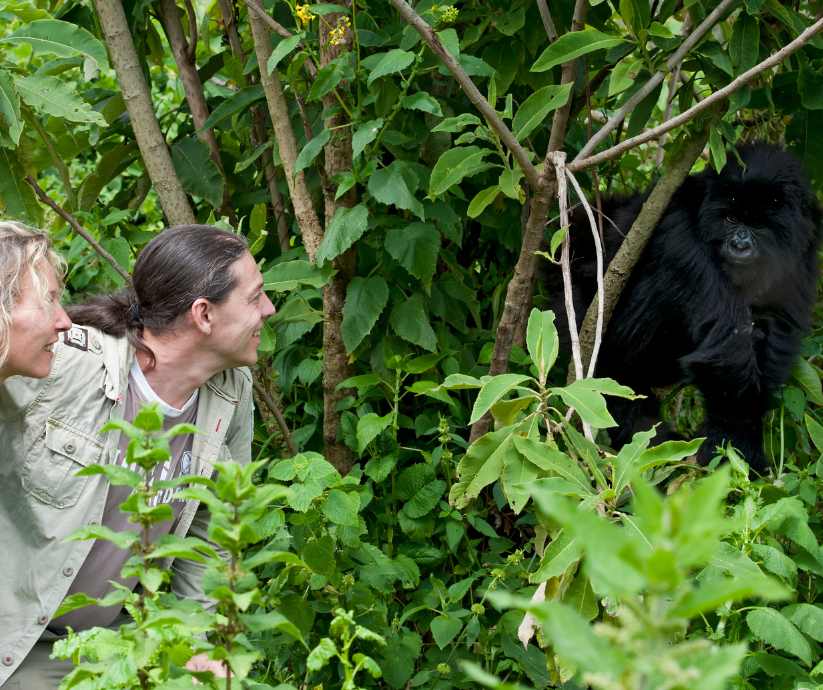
548	22
474	95
79	229
280	30
268	399
773	60
674	60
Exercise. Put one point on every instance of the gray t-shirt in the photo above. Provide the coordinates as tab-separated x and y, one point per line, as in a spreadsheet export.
105	560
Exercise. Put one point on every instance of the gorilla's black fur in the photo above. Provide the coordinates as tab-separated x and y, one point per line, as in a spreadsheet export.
721	296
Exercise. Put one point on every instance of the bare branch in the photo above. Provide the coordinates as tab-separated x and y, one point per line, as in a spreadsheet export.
267	398
740	81
192	54
560	120
279	29
79	229
675	59
548	22
474	95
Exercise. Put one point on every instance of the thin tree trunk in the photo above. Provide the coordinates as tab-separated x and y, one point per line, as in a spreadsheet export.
307	219
137	97
338	159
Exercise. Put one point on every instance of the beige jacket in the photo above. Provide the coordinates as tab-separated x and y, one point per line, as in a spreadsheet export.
49	429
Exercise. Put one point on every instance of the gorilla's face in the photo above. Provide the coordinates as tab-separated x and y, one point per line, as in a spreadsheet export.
758	219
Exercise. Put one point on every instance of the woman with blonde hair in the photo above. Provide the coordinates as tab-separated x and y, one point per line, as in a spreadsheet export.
31	317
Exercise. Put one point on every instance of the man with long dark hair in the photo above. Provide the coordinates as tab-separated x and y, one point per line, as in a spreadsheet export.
180	336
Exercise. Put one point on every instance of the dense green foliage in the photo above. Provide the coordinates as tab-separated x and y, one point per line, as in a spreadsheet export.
414	569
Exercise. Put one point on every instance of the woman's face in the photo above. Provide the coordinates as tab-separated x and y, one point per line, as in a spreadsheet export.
35	325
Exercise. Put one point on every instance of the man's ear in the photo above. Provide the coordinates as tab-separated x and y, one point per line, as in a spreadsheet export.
202	315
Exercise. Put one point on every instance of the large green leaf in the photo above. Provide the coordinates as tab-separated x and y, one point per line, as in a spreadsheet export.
395	185
444	629
311	150
53	96
369	427
536	108
542	342
288	275
198	173
394	61
234	104
114	161
341	507
773	628
562	553
492	391
11	125
410	321
482	465
416	248
425	499
365	135
744	45
365	300
17	199
481	200
807	617
283	48
572	45
346	227
60	38
454	165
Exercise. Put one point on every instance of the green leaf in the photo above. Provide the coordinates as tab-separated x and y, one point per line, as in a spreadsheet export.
554	461
198	173
425	500
394	61
481	200
806	375
330	76
563	553
458	123
410	321
459	382
588	402
636	14
11	126
369	427
573	45
271	620
808	618
290	275
283	48
744	45
416	248
16	197
236	103
122	540
444	629
324	652
815	430
113	162
394	185
60	38
516	479
379	468
575	641
53	96
482	465
776	630
365	135
454	165
346	227
542	342
310	151
365	300
422	101
536	108
341	507
492	391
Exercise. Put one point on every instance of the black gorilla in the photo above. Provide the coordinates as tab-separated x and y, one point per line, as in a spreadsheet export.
721	296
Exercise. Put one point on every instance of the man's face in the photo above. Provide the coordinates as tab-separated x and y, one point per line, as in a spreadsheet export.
35	325
239	318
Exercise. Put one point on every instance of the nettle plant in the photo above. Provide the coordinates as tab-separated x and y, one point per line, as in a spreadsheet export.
165	631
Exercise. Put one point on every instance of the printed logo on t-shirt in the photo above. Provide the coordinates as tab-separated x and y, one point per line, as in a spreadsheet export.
77	337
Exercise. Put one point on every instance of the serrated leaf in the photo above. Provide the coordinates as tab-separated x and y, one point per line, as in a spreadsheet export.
808	618
369	427
422	101
236	103
534	110
425	500
198	173
60	38
283	48
416	248
395	185
573	45
310	151
391	62
456	164
341	507
365	135
289	275
776	630
346	227
54	96
11	124
410	321
492	391
481	200
365	300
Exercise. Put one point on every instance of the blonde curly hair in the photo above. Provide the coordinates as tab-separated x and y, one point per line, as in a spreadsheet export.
22	248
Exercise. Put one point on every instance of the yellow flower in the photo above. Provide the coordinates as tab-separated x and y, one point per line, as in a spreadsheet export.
304	14
338	34
448	14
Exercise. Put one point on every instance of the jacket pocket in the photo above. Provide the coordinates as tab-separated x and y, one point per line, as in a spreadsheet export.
50	475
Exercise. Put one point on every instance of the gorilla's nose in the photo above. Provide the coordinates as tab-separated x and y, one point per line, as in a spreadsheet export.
741	240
